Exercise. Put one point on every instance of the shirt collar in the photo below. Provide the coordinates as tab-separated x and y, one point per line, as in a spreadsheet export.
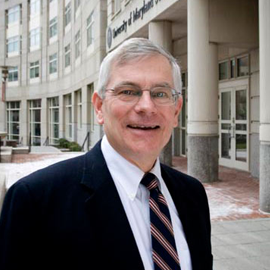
125	173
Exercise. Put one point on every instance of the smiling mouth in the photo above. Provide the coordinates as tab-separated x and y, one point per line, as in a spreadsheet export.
142	127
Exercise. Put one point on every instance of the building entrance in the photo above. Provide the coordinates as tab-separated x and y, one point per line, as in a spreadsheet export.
234	126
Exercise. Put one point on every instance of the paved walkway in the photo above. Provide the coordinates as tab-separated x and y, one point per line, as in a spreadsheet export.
241	244
240	232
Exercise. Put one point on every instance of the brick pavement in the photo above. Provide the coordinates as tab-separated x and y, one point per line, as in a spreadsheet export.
234	196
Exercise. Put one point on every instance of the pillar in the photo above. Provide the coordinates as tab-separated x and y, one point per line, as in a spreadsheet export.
202	95
161	33
264	25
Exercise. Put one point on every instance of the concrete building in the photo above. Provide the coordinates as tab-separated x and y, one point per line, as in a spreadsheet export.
222	47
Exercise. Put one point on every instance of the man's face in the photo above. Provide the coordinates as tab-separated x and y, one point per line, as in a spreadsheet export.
138	131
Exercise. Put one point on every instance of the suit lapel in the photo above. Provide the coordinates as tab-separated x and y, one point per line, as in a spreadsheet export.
104	205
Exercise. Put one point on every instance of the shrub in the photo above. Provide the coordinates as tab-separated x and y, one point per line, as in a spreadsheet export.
63	143
73	146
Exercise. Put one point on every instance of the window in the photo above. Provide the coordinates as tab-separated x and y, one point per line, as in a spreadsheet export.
13	120
90	22
77	4
67	13
53	120
53	27
35	37
242	66
13	44
234	68
34	7
77	44
13	14
34	70
35	121
67	55
117	5
13	74
53	63
68	116
223	71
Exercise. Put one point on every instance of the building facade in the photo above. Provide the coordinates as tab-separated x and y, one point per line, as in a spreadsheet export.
55	48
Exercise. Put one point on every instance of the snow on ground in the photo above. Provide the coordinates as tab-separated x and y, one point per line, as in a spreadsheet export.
15	171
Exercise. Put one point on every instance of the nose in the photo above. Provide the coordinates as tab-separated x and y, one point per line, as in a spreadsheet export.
145	103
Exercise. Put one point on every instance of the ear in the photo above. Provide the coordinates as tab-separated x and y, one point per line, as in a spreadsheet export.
98	102
178	108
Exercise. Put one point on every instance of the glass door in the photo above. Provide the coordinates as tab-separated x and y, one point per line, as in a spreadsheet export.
234	140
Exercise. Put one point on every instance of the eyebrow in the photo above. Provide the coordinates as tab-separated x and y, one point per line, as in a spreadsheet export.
129	83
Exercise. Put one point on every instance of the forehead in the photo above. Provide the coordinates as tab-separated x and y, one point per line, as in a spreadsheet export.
145	68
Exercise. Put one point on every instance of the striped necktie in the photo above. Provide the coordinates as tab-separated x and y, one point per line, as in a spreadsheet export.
164	252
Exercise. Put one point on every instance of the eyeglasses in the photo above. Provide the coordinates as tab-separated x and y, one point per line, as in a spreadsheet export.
160	95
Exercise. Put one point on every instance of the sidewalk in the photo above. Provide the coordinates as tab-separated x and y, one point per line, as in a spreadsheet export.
240	232
241	244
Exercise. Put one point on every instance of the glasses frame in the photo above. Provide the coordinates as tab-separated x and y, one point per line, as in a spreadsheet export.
175	94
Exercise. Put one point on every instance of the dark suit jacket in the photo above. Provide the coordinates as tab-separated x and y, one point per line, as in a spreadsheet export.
70	216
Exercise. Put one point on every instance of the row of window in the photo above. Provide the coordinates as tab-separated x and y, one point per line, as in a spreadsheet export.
234	68
14	42
34	116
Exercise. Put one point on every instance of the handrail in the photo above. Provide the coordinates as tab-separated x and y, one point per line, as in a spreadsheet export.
46	143
30	142
87	139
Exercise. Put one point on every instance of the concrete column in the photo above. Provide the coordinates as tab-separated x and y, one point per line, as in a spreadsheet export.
202	95
161	33
264	24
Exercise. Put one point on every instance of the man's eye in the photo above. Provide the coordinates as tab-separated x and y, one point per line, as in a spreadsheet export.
128	92
160	95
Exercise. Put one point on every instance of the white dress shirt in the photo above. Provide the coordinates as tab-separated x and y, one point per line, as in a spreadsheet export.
134	197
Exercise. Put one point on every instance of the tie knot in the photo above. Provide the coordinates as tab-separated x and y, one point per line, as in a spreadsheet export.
149	181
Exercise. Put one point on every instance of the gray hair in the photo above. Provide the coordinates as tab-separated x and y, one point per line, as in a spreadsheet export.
132	49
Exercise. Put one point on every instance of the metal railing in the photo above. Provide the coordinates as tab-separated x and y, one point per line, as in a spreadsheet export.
46	143
86	140
30	142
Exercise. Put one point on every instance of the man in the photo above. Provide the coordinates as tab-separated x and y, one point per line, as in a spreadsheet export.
116	207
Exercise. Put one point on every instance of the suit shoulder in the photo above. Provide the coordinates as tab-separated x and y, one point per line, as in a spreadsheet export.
55	174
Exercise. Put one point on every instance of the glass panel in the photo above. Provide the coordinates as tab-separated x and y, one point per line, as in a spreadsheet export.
36	116
226	145
183	111
226	106
226	126
15	116
36	141
241	127
241	105
223	71
232	64
183	79
55	131
55	116
241	148
242	66
36	129
15	128
183	135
